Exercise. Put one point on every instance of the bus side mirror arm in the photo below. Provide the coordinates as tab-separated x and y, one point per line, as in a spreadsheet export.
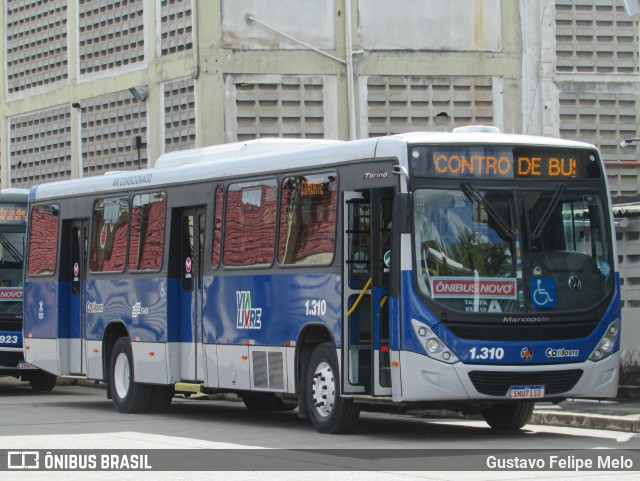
401	225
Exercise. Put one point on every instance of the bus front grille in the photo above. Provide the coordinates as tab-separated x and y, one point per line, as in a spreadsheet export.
493	383
10	359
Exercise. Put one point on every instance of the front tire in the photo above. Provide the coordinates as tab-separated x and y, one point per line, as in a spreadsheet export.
508	416
328	410
128	396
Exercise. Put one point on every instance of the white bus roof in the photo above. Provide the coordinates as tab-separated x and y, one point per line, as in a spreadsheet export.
263	156
235	150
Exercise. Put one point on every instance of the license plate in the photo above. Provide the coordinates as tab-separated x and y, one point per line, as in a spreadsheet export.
26	365
526	392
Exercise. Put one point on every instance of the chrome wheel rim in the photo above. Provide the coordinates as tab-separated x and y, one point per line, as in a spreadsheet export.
122	375
323	389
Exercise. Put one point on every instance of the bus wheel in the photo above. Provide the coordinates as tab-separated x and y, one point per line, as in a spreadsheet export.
128	396
329	411
509	416
43	381
265	402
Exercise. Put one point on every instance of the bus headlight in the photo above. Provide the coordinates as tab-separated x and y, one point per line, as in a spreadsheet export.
608	341
433	346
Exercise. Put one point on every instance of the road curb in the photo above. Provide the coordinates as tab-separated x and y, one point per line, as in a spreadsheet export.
627	424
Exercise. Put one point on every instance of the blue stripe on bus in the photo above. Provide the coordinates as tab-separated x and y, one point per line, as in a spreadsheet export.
264	309
544	352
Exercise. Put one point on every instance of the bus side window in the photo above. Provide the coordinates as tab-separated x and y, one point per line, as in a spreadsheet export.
146	243
43	241
250	227
217	227
109	236
308	219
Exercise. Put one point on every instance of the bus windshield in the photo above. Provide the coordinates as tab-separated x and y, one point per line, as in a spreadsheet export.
481	249
11	259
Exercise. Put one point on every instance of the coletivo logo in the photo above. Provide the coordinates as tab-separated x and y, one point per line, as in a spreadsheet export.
248	317
138	310
526	354
562	352
94	308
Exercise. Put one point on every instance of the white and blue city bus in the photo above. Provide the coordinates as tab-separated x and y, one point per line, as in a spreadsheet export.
470	270
13	232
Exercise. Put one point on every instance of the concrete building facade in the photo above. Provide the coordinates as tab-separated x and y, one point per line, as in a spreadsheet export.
89	86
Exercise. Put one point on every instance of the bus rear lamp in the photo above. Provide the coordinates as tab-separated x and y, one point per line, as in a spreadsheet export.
432	344
607	343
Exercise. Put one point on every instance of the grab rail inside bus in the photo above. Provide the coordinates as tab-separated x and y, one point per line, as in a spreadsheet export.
355	304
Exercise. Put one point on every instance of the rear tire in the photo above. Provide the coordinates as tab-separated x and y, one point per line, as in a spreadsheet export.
328	410
508	416
42	381
265	402
128	396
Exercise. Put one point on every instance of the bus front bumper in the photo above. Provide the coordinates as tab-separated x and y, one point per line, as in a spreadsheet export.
425	379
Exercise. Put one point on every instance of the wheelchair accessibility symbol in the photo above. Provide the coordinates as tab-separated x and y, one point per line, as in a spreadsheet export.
543	292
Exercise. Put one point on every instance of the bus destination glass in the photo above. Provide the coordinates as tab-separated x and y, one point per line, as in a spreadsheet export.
502	162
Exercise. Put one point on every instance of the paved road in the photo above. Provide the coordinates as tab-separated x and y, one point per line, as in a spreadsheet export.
80	417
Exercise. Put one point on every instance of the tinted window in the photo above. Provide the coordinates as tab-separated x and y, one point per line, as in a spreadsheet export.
249	236
43	244
217	228
109	235
147	232
307	219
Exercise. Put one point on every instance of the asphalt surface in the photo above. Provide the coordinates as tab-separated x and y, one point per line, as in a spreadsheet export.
621	414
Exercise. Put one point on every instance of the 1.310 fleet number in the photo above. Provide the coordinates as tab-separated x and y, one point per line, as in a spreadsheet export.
315	307
485	353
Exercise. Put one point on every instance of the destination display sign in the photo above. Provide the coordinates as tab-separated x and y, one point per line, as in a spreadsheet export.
13	214
504	162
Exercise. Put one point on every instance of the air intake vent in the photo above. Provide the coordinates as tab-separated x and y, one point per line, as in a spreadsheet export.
268	370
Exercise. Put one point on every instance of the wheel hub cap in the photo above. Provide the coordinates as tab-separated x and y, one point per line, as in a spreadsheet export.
122	376
323	391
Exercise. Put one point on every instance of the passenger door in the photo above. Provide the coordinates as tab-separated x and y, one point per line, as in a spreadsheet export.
73	268
192	232
366	328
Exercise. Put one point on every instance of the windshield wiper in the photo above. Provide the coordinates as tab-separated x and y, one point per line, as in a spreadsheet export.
537	232
474	195
15	253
